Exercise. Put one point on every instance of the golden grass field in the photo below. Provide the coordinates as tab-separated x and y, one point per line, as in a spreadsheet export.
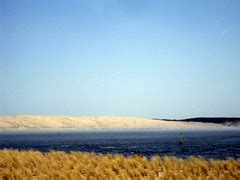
79	165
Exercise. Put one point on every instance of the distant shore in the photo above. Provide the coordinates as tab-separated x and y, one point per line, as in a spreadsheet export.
26	122
228	121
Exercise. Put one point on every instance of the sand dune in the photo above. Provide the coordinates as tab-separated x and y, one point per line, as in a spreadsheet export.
95	123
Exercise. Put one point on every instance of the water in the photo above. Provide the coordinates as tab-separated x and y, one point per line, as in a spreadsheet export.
209	144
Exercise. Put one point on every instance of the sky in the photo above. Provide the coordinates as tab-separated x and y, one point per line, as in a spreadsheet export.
138	58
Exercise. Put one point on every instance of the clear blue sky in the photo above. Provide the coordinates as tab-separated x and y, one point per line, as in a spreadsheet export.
142	58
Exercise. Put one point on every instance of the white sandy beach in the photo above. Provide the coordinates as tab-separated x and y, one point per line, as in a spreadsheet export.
96	123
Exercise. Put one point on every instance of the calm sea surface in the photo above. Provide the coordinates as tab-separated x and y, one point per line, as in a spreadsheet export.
209	144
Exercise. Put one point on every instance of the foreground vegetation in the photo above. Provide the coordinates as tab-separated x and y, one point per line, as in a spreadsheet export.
79	165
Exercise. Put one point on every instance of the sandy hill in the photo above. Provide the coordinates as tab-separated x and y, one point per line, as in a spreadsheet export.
95	123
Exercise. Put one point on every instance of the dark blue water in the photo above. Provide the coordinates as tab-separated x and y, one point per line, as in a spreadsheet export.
209	144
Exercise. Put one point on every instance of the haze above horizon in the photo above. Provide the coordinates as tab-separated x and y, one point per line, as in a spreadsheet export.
162	59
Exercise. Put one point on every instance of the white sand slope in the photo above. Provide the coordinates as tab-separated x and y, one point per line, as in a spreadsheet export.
95	123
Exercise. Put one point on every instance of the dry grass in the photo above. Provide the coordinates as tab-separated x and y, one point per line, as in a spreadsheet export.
78	165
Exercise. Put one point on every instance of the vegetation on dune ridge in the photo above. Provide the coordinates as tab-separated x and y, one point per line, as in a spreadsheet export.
80	165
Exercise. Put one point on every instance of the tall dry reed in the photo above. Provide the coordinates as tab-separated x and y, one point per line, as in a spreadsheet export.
80	165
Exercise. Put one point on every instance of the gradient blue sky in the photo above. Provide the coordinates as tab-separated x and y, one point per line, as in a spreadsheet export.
142	58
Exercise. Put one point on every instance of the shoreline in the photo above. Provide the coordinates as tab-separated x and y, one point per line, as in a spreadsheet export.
64	123
78	130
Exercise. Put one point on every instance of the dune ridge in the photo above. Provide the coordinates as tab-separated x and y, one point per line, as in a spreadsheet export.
27	122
